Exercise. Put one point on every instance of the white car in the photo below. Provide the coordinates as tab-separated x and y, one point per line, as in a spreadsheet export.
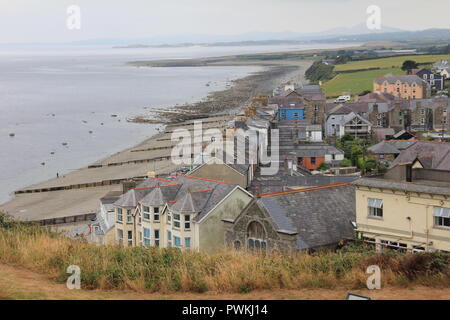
342	99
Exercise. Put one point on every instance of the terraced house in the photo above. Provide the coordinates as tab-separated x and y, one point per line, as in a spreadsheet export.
180	211
408	208
402	86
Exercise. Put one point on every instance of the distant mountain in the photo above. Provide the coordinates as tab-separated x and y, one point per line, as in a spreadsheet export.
358	33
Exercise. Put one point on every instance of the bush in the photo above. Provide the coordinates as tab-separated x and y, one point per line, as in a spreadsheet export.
323	166
346	163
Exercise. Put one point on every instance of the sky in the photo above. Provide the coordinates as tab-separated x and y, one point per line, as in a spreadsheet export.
46	20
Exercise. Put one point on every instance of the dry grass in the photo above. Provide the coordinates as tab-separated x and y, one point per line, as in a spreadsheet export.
170	270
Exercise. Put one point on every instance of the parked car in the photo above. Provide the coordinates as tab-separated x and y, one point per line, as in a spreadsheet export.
342	99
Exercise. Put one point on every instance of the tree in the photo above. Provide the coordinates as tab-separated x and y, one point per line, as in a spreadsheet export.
323	166
346	163
408	65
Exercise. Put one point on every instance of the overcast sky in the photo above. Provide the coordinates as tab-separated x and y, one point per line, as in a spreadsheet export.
45	20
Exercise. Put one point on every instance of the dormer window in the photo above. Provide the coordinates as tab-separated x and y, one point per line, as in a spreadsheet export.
187	222
176	220
156	213
129	216
146	211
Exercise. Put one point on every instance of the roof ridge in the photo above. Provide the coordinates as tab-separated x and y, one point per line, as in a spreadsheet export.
274	194
205	179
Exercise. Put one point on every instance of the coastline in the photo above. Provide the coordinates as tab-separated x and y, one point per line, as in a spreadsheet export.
79	190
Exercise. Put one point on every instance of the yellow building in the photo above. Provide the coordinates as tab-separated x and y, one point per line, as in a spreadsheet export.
406	209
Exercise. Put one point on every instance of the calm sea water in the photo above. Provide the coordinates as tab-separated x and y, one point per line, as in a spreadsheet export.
50	96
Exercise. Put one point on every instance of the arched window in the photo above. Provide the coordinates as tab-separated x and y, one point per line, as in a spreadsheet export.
237	245
256	236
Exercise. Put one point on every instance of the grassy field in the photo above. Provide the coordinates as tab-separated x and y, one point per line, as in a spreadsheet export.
170	270
359	81
392	62
355	82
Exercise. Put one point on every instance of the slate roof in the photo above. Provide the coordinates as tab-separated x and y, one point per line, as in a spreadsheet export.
439	152
384	148
377	97
417	186
319	217
312	150
182	193
393	78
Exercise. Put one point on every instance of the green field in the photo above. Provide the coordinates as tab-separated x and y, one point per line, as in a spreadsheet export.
356	82
392	62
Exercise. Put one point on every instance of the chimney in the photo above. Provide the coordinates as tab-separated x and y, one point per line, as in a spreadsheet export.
408	172
128	185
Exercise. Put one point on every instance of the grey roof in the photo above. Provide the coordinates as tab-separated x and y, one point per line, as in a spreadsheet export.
384	147
312	150
393	78
439	152
320	217
419	186
182	193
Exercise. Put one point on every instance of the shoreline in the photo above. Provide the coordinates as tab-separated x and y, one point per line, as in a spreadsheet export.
79	190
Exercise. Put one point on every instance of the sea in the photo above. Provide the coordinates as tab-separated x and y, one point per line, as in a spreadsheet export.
63	107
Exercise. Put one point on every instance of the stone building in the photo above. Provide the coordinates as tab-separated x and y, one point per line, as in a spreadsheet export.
308	219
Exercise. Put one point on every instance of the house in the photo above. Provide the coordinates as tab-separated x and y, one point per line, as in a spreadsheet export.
178	211
219	169
308	219
406	209
435	80
311	156
381	134
402	86
426	154
338	125
105	219
386	151
303	103
443	68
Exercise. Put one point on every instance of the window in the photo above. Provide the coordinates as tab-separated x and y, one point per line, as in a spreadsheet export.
422	111
129	216
187	222
237	245
169	238
316	107
177	241
441	217
375	208
156	213
256	236
394	245
296	115
187	242
313	160
157	238
119	215
120	236
169	217
146	213
176	220
130	238
146	237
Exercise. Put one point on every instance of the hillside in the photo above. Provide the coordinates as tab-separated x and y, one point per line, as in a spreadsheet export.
355	77
171	271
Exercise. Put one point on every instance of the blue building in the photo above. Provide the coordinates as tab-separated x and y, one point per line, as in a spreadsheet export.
291	113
